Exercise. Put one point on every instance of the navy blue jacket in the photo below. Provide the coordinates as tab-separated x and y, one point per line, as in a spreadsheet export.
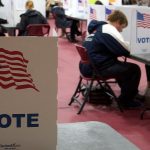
102	49
60	17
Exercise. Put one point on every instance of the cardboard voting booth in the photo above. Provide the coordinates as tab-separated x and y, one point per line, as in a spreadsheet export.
138	30
76	8
28	87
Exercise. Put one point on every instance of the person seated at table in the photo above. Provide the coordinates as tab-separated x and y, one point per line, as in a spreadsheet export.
60	18
30	17
104	45
74	30
63	22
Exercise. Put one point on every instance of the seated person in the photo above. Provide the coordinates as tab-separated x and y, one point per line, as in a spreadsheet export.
60	18
63	22
104	45
30	17
74	30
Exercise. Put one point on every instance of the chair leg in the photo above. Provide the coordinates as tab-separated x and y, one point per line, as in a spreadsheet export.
76	91
143	112
86	97
115	97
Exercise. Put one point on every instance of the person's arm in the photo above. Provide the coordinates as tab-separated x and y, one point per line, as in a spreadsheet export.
44	20
113	45
22	25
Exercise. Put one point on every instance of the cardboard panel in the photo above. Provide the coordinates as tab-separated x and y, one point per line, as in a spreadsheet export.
28	87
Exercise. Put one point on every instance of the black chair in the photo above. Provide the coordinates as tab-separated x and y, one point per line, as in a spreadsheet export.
103	83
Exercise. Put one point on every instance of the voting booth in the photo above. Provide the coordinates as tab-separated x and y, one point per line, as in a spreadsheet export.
76	8
14	8
138	30
28	87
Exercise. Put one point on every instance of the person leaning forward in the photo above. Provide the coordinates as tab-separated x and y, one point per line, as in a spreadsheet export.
104	45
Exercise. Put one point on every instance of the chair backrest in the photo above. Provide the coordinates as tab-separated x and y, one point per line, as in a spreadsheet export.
83	54
38	30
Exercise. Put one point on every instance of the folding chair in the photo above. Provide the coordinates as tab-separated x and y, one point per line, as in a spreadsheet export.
143	112
104	83
38	30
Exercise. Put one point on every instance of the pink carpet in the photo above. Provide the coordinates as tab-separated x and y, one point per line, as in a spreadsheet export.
128	123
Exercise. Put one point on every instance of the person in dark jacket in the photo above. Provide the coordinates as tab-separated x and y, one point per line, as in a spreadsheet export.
60	18
104	45
30	17
63	22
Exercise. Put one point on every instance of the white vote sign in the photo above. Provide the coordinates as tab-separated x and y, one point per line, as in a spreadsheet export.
28	86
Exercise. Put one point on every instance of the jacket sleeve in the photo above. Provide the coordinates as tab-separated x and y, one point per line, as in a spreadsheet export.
112	44
23	23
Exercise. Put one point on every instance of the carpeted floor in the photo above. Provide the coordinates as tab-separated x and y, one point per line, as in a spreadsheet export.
91	135
128	124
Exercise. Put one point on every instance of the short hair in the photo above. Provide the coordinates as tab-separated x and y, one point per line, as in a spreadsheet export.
29	4
118	15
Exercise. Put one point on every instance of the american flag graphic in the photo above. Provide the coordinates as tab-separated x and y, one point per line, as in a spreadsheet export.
66	2
93	14
13	70
107	12
80	3
143	20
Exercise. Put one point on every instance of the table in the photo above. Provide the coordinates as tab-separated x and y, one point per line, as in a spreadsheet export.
77	16
144	58
10	29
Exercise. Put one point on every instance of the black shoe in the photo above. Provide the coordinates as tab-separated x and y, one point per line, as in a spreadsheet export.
74	41
131	104
140	98
79	33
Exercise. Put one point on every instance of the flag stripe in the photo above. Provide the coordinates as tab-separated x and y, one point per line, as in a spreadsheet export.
6	86
26	86
12	58
12	63
15	74
13	53
17	69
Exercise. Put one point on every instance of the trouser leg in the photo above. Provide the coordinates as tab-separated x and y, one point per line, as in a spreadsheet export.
128	77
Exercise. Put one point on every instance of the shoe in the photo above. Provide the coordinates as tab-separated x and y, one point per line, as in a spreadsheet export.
79	33
74	41
140	98
131	104
147	96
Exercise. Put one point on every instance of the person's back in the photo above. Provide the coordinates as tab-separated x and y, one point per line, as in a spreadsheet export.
34	17
30	17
